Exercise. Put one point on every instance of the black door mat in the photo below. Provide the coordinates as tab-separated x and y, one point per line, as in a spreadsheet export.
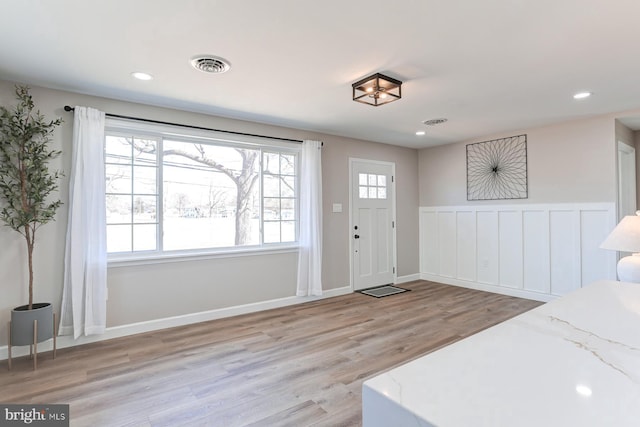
383	291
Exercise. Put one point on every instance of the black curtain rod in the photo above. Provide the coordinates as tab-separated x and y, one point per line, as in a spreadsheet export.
159	122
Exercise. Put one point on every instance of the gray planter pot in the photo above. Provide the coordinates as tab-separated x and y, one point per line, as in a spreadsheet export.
22	323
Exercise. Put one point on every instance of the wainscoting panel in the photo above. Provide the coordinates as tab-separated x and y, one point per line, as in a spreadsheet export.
564	250
510	248
533	251
447	243
537	274
487	244
466	245
594	229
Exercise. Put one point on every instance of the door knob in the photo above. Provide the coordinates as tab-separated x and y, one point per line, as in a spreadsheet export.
357	236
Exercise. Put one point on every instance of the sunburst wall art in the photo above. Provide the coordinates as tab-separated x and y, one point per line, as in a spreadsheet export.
497	169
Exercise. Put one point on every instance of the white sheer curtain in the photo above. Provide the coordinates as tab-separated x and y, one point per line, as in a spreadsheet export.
85	261
310	239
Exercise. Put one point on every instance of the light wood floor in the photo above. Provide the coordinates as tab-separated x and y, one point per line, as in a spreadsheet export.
295	366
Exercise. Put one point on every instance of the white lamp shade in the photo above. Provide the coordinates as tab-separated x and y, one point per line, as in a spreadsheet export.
625	237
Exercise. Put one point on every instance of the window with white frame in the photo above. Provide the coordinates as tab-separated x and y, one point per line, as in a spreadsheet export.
170	192
372	186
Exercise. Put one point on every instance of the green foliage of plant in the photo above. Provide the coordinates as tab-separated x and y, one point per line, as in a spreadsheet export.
26	183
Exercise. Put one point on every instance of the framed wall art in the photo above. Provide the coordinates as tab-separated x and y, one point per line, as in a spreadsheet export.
497	169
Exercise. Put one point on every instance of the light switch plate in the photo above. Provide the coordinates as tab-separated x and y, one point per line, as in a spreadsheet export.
337	207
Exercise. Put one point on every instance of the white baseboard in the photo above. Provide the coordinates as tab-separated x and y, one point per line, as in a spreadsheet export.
520	293
407	278
171	322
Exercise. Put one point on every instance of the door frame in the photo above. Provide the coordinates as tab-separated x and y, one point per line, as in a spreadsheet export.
394	251
625	175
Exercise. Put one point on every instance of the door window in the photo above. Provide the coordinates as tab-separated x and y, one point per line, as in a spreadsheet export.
372	186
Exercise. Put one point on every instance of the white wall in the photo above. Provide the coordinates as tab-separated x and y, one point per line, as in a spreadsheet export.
146	293
537	247
526	250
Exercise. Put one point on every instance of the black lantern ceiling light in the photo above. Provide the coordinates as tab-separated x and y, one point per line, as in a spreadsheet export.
377	89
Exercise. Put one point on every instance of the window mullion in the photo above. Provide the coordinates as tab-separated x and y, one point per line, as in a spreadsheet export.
280	177
261	198
132	238
160	195
296	195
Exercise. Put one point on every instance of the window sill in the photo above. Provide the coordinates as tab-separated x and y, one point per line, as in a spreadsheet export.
184	256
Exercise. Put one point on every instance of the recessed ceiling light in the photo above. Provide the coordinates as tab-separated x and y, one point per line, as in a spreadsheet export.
420	133
142	76
582	95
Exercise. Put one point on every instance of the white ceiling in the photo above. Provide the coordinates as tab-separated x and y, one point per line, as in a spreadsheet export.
488	66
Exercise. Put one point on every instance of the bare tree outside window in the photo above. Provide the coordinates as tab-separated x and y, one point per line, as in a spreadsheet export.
241	171
216	202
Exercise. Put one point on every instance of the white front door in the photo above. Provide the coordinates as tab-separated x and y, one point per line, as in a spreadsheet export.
372	223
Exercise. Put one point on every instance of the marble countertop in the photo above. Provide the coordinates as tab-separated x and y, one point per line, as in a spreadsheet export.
572	362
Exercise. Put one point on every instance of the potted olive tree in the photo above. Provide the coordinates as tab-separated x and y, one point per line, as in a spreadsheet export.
26	187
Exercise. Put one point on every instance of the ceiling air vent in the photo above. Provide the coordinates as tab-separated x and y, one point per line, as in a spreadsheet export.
434	122
210	64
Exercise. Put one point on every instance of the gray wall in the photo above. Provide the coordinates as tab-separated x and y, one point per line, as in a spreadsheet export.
624	134
567	162
146	292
